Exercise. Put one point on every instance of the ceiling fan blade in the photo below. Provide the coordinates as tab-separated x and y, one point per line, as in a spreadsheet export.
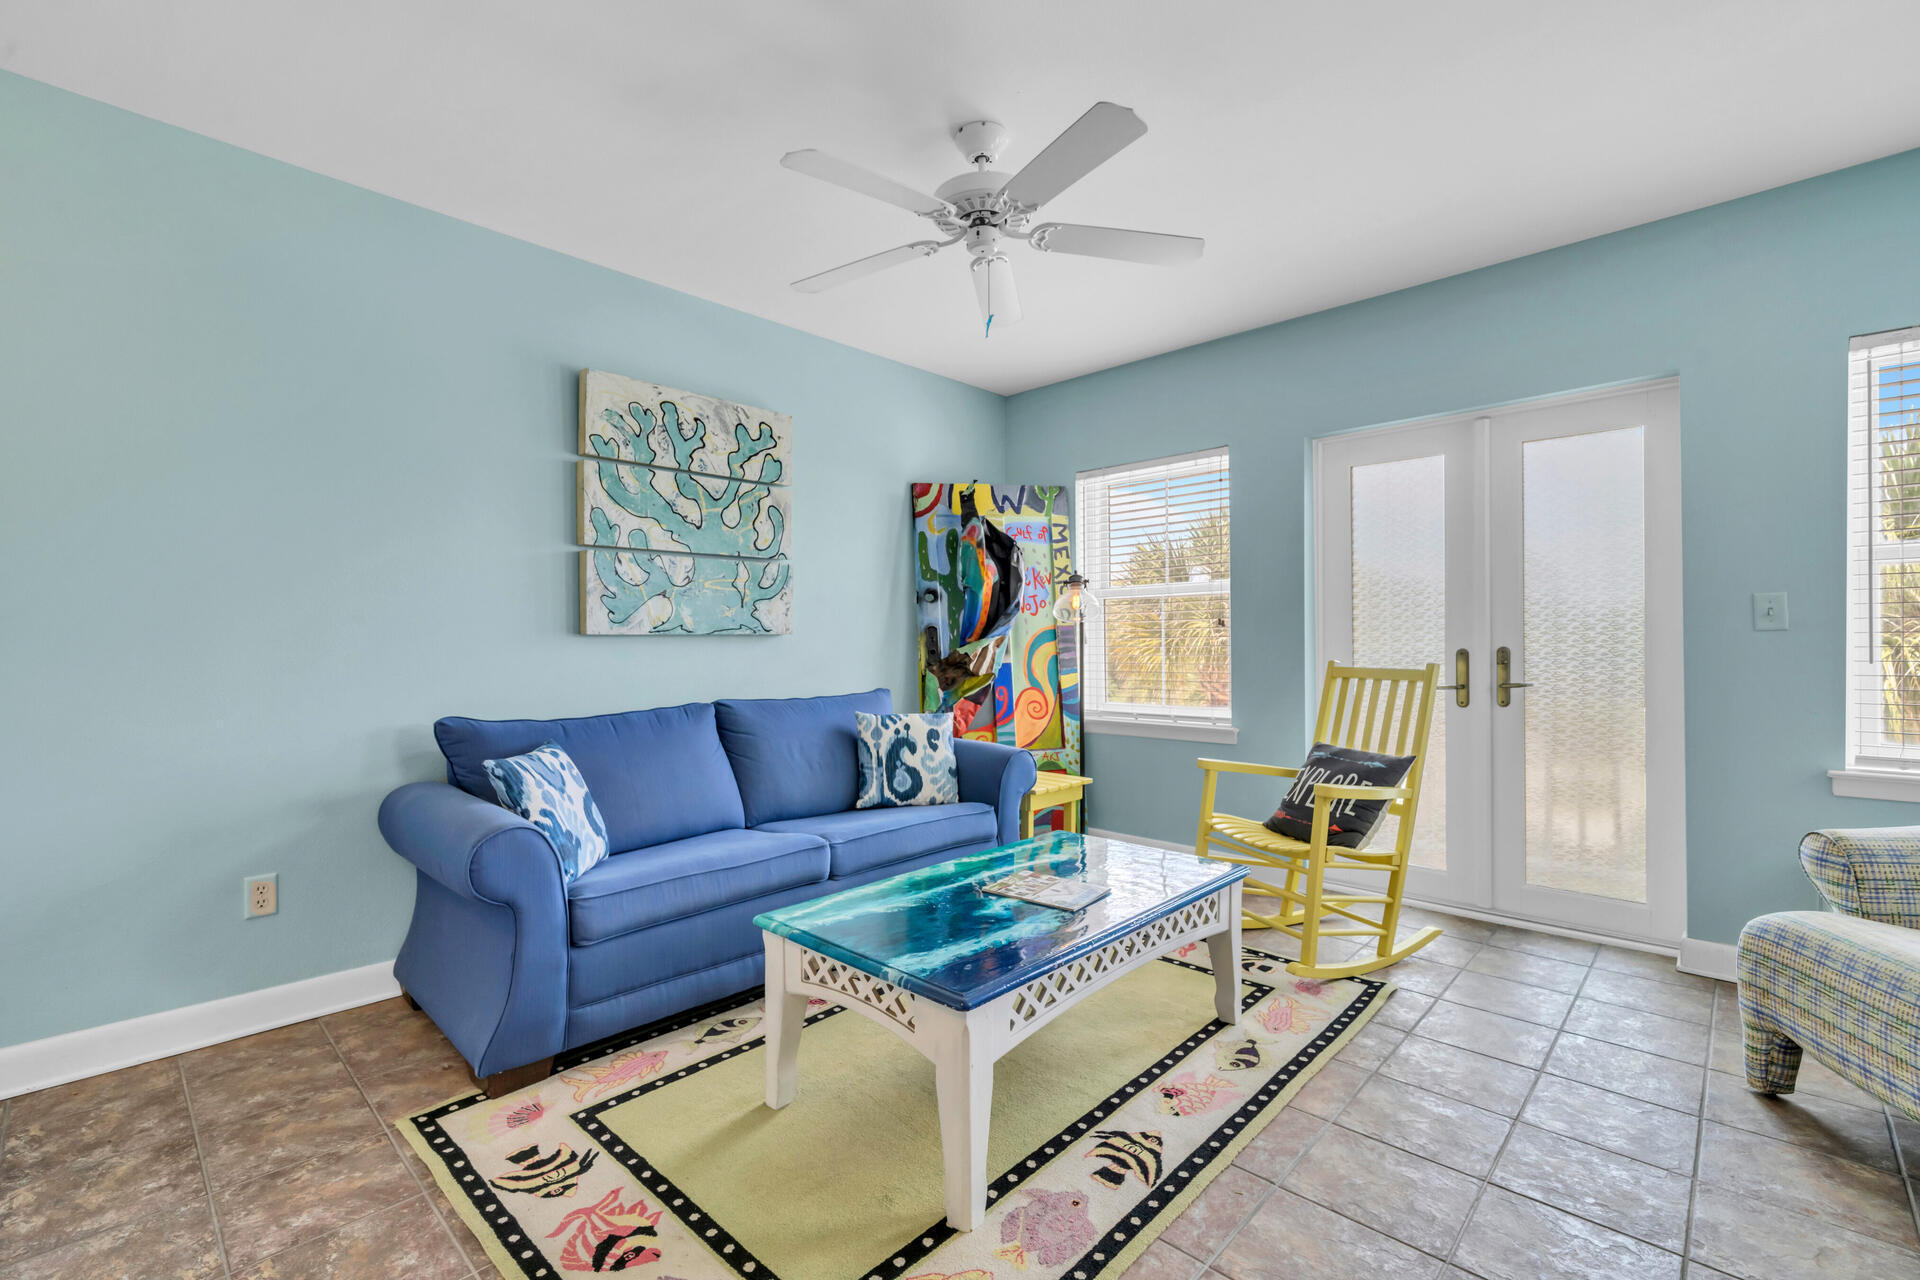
993	287
841	173
1150	247
868	265
1088	143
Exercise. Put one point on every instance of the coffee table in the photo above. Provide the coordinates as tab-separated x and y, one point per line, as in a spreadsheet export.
963	976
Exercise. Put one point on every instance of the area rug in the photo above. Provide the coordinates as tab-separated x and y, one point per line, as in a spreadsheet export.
658	1155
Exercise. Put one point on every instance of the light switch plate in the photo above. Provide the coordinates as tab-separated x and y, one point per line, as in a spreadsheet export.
1769	611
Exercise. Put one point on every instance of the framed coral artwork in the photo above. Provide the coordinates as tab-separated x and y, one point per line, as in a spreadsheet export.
685	510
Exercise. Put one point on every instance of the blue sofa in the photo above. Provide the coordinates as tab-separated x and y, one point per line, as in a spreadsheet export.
716	812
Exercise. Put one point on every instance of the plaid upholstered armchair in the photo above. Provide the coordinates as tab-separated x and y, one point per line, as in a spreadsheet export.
1844	984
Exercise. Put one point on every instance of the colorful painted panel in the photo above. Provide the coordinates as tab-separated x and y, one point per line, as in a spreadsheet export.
990	559
633	421
634	593
646	508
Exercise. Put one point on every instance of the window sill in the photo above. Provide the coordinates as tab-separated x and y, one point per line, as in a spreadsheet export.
1188	732
1876	784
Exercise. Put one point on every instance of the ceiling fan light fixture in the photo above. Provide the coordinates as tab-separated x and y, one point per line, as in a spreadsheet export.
994	288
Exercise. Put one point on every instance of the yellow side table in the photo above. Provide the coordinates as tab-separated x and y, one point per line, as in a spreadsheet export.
1052	789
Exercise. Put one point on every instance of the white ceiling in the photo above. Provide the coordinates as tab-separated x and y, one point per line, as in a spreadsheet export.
1327	152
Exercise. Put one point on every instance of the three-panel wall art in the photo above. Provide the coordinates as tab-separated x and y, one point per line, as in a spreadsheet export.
685	510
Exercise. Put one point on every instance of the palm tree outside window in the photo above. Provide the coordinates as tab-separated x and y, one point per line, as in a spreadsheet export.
1154	541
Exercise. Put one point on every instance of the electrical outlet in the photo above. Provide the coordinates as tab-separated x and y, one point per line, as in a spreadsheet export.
263	895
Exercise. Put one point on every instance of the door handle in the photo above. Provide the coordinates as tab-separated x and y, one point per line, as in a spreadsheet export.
1502	668
1461	686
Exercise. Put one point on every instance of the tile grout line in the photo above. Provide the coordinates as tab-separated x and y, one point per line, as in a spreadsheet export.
393	1141
1329	1122
206	1178
1900	1165
1273	1188
1514	1121
1539	1072
1699	1139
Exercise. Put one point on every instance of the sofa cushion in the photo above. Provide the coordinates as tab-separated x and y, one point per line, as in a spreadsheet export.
634	890
866	838
795	757
657	775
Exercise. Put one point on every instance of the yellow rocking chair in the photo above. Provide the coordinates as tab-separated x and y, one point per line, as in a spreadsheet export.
1378	709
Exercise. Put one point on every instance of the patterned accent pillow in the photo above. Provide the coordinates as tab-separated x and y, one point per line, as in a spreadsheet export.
545	787
906	759
1351	821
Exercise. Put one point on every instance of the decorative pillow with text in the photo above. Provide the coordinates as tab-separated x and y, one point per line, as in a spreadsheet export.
1351	821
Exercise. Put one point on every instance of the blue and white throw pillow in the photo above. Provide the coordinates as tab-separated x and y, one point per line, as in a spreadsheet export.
545	787
906	759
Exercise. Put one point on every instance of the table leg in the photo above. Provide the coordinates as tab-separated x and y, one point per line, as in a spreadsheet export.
1026	818
1073	816
1224	948
963	1079
786	1014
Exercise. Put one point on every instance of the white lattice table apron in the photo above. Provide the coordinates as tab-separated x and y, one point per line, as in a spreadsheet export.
963	1044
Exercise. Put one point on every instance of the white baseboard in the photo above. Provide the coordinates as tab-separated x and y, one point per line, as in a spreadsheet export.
41	1064
1475	913
1709	959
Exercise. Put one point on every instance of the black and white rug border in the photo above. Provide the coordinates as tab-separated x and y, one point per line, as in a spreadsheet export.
730	1252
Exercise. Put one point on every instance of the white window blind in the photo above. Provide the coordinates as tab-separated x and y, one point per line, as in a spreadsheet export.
1883	551
1153	541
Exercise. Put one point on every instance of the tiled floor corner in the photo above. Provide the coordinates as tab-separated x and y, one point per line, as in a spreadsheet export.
1529	1107
1525	1107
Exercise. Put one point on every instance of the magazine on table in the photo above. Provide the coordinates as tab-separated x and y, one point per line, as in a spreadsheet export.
1048	891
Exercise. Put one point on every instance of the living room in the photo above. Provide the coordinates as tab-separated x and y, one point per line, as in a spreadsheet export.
544	875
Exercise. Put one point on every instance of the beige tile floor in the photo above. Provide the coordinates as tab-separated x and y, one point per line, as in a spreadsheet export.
1525	1107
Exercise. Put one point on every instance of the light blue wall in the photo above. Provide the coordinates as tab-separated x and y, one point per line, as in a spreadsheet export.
284	475
1750	303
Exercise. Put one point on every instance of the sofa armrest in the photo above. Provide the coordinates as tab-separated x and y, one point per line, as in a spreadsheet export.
997	775
460	840
1872	873
486	955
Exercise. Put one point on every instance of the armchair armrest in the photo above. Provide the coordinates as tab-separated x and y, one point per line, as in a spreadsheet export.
1241	766
997	775
1872	873
1350	791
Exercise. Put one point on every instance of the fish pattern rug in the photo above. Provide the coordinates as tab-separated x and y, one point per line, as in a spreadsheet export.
656	1156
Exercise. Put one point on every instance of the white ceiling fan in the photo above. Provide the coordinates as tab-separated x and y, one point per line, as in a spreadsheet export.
983	207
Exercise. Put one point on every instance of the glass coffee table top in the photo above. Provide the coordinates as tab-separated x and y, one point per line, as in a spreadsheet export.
937	934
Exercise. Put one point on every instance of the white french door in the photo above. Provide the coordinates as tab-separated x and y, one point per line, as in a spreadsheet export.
1534	553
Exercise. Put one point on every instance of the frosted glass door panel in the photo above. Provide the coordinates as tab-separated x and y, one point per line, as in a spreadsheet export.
1400	609
1583	616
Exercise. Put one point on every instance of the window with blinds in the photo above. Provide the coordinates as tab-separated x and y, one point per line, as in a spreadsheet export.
1153	542
1883	551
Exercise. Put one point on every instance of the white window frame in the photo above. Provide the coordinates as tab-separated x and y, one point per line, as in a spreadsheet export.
1874	769
1137	719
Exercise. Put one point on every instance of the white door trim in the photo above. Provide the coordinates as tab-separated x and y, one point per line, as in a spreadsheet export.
1461	442
1662	920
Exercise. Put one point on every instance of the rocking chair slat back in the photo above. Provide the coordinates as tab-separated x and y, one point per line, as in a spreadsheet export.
1385	710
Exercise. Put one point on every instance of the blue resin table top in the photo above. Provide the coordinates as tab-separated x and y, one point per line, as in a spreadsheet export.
936	933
